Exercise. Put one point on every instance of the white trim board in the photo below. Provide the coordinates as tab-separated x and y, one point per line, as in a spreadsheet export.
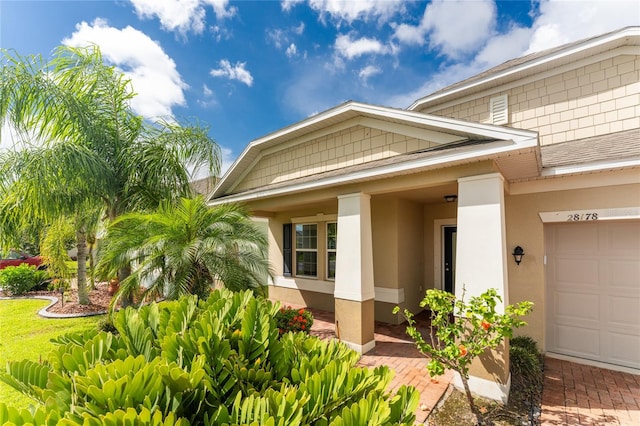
382	294
591	215
604	365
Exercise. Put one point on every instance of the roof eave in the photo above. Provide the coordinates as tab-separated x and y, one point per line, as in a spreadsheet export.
443	95
252	150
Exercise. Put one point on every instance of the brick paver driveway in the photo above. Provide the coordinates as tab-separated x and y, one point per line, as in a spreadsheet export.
576	394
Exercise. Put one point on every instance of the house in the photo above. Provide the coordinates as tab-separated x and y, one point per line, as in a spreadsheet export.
367	206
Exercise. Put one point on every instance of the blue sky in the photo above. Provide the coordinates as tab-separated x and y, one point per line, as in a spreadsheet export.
248	68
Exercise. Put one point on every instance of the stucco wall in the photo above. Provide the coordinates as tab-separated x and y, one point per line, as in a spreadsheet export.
525	228
410	253
592	100
355	145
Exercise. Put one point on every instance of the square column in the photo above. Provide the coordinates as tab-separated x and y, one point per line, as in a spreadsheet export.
354	289
480	265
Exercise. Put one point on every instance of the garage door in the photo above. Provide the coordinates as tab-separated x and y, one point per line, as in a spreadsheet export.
593	291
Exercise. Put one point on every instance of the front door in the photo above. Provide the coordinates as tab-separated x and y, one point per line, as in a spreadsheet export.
449	267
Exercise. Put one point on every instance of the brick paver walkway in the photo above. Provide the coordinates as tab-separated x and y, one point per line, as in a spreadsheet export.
576	394
397	351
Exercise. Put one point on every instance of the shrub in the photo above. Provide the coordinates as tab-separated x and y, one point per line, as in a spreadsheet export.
526	367
17	280
290	319
57	283
219	361
455	342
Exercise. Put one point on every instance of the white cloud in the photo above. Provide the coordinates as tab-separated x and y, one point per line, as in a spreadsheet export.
235	72
182	15
291	50
503	47
367	72
410	34
555	22
287	5
142	60
352	48
278	37
206	91
560	22
351	10
459	27
299	29
208	97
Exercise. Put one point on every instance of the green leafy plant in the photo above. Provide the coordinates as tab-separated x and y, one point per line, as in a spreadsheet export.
526	367
219	361
17	280
455	343
291	319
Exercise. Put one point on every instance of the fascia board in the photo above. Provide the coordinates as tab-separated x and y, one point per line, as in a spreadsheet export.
556	56
595	166
387	170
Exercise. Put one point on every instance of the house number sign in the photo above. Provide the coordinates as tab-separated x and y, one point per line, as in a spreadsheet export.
590	215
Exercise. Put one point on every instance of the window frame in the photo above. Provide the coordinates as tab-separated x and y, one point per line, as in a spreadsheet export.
330	250
304	250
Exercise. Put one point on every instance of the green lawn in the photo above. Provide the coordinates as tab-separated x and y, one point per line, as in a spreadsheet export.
25	334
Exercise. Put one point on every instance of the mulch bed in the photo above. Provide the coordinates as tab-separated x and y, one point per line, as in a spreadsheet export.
98	297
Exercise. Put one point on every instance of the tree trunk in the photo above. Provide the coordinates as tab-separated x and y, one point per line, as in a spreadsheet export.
127	298
81	240
472	405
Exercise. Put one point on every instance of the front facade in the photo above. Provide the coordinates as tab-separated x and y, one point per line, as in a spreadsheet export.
366	207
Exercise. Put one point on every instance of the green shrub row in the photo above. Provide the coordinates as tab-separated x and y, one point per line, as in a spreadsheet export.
18	280
220	361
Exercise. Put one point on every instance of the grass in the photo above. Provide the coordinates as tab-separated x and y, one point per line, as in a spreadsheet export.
26	335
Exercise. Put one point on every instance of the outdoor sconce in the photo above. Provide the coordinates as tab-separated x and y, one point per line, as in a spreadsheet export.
450	198
518	252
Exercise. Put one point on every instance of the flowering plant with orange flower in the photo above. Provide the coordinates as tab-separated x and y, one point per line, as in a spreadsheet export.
292	319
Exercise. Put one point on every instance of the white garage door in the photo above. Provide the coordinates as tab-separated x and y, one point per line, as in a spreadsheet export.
593	291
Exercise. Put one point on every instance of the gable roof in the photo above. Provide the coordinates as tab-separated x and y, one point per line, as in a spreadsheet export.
534	63
352	113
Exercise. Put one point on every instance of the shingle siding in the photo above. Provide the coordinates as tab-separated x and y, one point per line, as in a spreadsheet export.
600	98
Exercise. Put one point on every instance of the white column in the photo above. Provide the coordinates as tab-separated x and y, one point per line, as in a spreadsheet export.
481	256
354	288
481	252
354	263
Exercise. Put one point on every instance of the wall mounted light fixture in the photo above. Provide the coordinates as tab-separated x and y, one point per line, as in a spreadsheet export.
450	198
518	253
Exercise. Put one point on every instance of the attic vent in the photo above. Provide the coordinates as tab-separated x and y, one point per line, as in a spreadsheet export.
499	109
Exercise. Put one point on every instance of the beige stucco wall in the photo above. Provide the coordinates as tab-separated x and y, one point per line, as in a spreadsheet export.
525	228
311	299
592	100
355	145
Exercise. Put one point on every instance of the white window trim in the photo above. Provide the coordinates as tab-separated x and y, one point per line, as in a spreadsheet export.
303	250
328	250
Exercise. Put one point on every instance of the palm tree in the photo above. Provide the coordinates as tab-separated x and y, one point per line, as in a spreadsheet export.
186	247
84	146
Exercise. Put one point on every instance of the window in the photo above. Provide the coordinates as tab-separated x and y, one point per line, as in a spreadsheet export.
332	246
307	250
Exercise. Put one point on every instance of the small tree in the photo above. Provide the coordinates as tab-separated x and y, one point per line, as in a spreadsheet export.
455	344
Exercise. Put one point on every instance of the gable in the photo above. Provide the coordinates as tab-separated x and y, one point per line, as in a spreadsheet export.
357	144
590	99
